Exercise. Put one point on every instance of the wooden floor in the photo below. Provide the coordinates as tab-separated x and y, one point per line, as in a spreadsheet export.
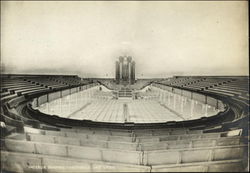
102	106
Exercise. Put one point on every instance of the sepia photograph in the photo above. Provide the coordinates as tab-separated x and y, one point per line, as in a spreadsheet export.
124	86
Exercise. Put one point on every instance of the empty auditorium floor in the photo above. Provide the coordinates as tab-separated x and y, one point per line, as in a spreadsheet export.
100	106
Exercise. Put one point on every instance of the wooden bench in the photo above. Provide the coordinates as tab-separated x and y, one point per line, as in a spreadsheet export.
39	163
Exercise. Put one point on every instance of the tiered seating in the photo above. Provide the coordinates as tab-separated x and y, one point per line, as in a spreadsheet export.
48	82
237	87
57	81
16	85
228	86
181	81
73	80
110	84
206	83
13	87
138	150
198	83
139	84
30	145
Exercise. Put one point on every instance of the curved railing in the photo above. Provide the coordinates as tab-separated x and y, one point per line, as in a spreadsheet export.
19	112
206	121
234	111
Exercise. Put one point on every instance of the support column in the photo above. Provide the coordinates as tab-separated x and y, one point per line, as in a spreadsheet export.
117	71
124	68
174	102
182	103
121	66
70	96
206	106
47	106
192	108
60	106
129	68
76	100
133	72
164	98
169	99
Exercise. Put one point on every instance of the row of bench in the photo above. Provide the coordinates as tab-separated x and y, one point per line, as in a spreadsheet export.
151	157
222	85
12	86
30	163
43	148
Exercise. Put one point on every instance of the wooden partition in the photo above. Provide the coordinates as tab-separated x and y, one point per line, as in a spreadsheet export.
193	95
54	96
199	97
58	94
164	157
73	90
42	99
34	163
65	92
187	94
215	166
70	151
177	91
212	101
